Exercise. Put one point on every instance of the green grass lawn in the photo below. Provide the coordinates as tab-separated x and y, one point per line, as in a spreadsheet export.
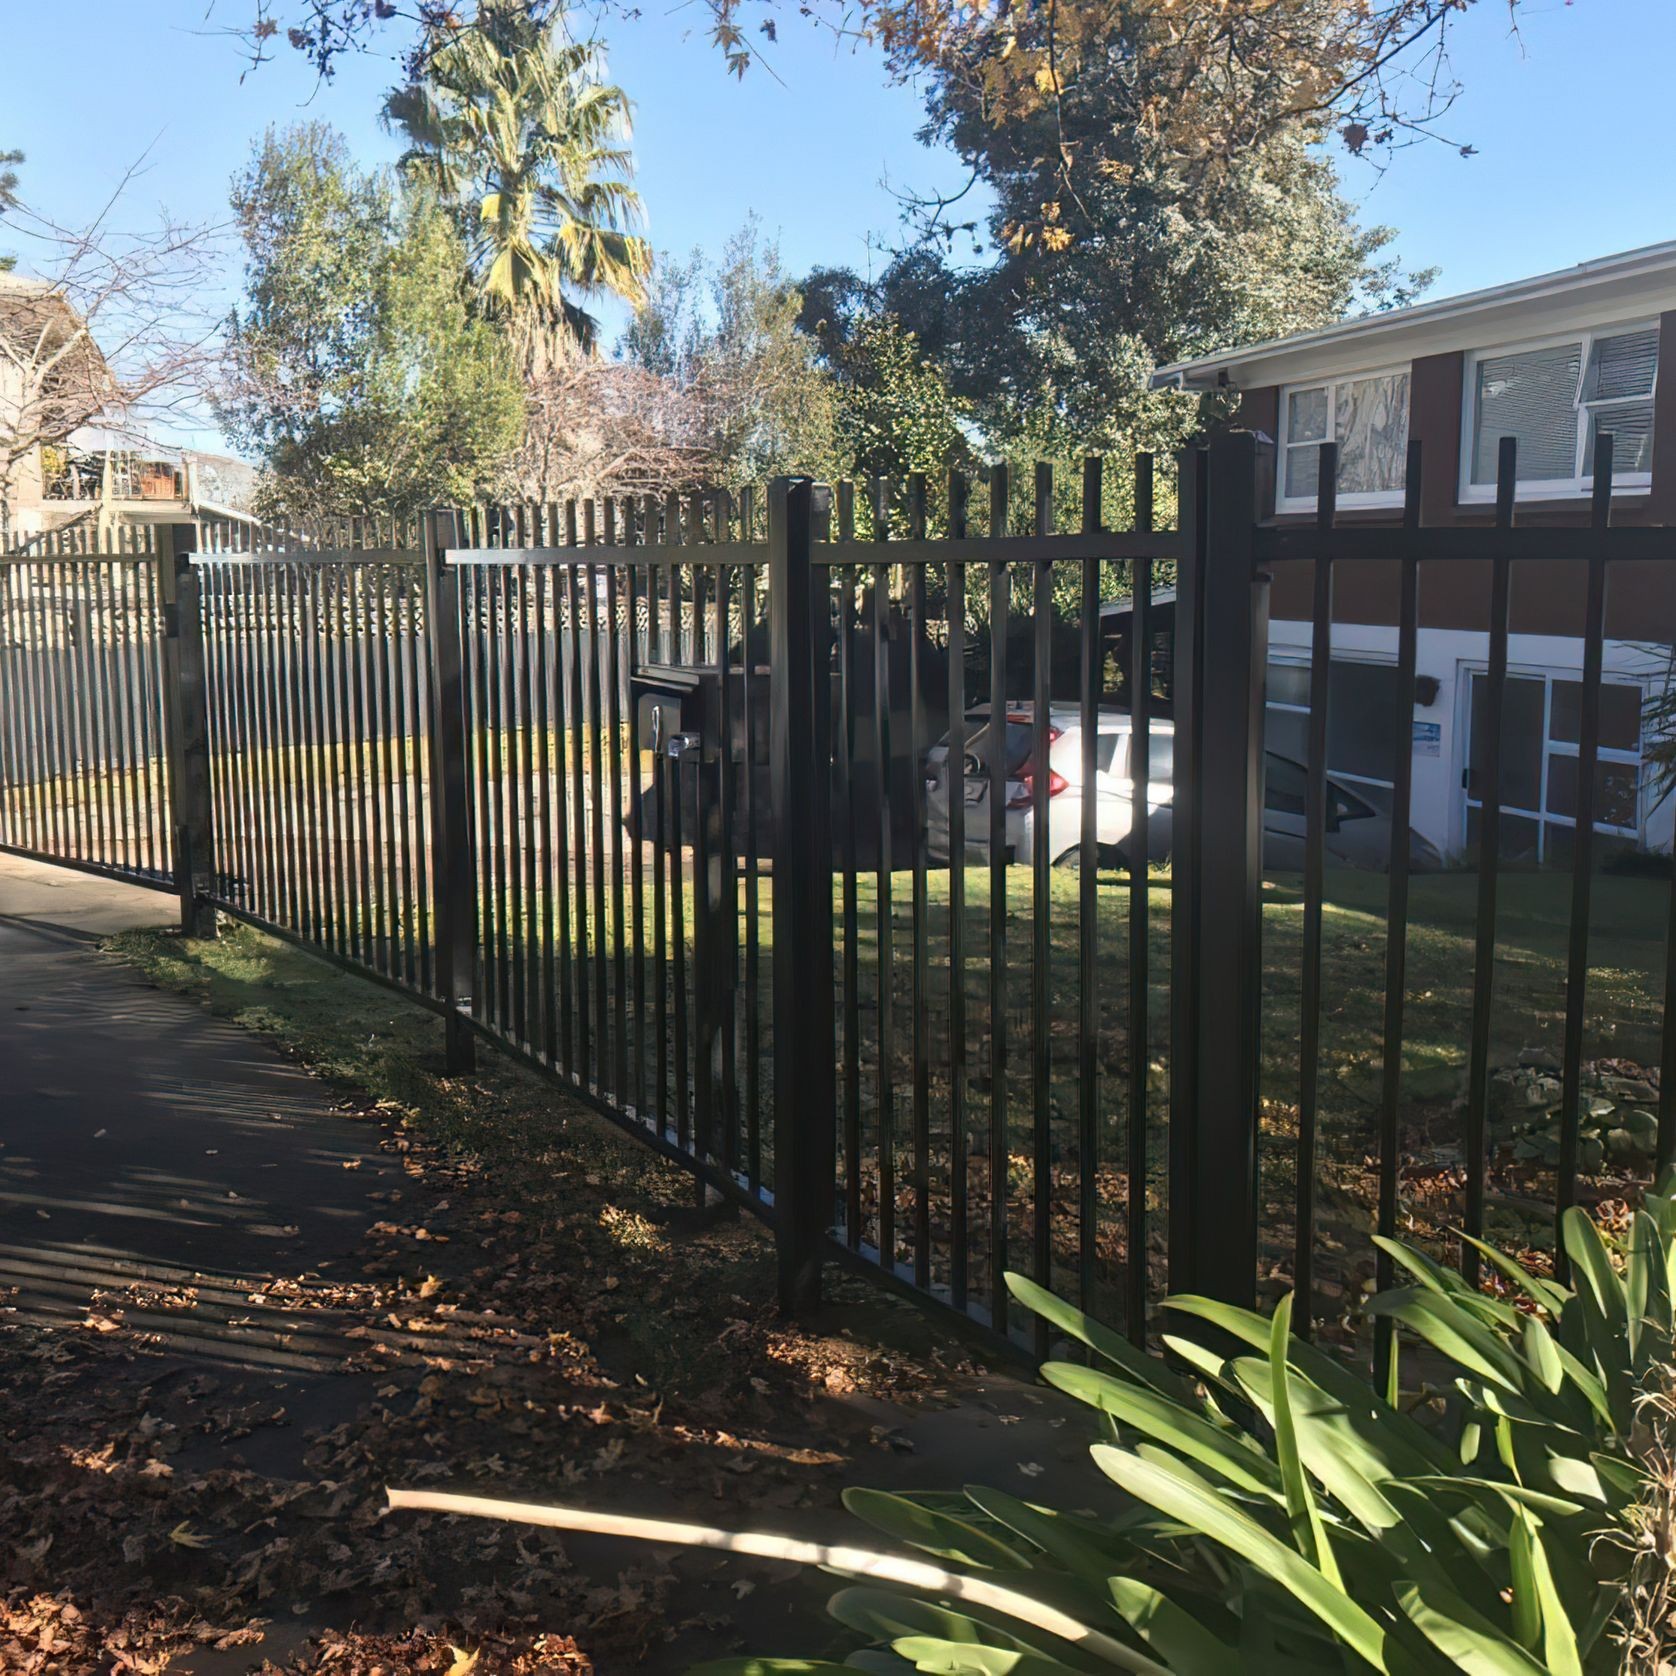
877	1072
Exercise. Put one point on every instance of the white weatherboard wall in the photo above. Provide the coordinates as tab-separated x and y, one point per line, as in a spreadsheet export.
1451	656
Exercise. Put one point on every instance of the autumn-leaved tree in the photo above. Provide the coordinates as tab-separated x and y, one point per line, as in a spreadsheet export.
511	126
1220	75
356	368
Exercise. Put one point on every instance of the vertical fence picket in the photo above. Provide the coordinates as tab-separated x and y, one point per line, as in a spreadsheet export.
1000	1150
1489	856
1396	910
1314	882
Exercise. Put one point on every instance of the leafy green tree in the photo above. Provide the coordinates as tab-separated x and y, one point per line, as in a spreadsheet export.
727	336
511	127
356	367
1115	250
896	413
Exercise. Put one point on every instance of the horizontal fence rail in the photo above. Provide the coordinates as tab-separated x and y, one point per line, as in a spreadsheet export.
963	878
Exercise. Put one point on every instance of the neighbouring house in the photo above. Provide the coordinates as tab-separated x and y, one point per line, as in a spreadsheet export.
114	478
1552	361
74	470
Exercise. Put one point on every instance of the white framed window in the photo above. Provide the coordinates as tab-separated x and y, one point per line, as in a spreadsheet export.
1363	740
1555	396
1540	749
1366	414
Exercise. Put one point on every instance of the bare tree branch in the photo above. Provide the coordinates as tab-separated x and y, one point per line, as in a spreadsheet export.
99	324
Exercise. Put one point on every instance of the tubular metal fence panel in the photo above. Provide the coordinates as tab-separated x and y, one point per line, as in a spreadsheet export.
84	770
1394	1160
996	1015
619	880
760	824
319	696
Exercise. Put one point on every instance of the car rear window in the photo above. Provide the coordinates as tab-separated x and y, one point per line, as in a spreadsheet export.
1020	739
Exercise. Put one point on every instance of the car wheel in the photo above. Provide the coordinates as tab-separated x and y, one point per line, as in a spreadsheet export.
1105	856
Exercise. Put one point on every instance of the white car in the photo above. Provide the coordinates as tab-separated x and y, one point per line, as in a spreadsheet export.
1357	833
1113	778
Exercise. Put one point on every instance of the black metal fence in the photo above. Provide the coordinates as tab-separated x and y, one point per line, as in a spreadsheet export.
921	891
84	713
318	706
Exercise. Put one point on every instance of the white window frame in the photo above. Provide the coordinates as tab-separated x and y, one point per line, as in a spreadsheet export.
1474	670
1298	658
1330	383
1551	488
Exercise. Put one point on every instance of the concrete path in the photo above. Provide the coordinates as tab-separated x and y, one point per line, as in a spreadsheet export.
146	1147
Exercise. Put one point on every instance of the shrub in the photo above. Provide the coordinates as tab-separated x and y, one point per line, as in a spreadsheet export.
1280	1514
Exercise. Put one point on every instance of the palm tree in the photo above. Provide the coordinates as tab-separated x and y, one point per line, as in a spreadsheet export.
511	125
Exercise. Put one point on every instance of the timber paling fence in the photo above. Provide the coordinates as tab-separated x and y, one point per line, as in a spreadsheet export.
640	792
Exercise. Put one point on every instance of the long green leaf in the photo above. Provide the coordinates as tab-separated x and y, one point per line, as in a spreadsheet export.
1468	1640
1333	1377
1459	1335
1356	1476
1489	1492
1584	1379
936	1533
1545	1293
885	1614
1588	1253
1302	1514
956	1658
1054	1533
1229	1453
1174	1634
1639	1260
1543	1355
1116	1349
1604	1305
1447	1283
1526	1603
1223	1523
1206	1363
1559	1638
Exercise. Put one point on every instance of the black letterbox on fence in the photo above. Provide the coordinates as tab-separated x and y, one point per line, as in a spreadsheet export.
675	698
685	701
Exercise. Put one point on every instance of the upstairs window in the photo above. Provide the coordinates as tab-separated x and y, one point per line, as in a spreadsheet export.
1556	398
1367	416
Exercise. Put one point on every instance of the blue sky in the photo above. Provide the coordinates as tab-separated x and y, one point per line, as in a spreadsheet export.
1570	122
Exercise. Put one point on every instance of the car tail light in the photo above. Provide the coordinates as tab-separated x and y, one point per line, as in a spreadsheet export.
1056	783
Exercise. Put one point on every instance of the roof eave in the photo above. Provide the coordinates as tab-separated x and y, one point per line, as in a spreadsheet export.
1649	267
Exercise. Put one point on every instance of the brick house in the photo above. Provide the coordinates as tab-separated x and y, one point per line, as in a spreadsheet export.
1551	360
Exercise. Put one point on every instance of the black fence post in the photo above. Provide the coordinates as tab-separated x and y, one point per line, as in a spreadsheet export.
804	1034
452	876
1222	615
186	717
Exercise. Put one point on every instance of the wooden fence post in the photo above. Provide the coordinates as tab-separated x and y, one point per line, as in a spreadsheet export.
186	718
804	1035
1222	614
453	882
